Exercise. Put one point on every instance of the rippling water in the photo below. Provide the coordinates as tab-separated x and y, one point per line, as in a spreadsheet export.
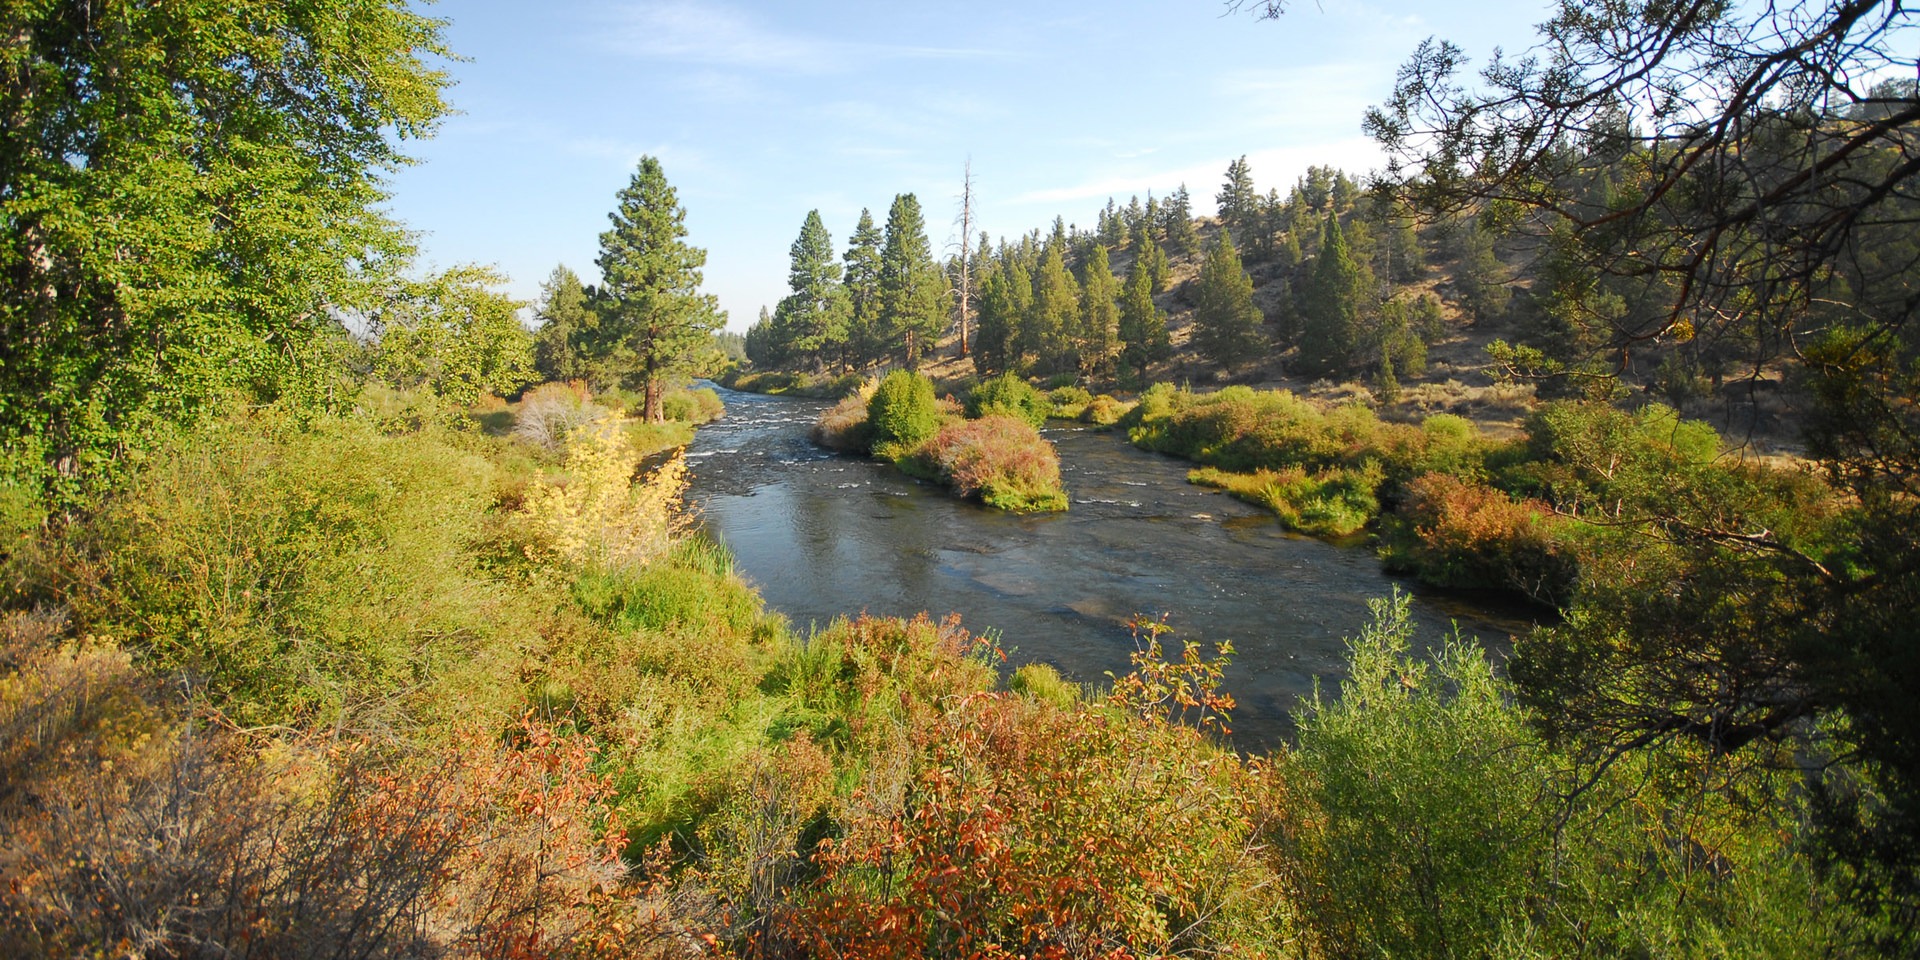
822	535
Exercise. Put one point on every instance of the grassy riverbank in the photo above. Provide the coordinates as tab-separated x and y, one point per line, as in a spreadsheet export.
486	676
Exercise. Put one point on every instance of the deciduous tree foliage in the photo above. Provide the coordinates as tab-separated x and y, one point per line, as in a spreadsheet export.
189	191
653	317
454	333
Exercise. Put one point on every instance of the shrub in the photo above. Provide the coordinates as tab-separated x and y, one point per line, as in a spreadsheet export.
299	574
1471	535
845	426
693	406
1104	411
1002	460
1069	396
1029	830
1011	396
903	413
596	515
550	411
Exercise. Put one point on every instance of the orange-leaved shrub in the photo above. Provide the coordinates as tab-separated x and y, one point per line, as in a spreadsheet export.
1472	535
130	827
1002	460
1029	830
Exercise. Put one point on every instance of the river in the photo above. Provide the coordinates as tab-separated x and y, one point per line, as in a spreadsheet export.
824	534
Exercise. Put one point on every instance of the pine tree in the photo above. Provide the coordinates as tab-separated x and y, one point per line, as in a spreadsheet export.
1329	306
866	343
652	313
1097	339
1143	328
812	319
1182	238
996	330
1239	204
912	289
1226	323
1055	311
766	348
565	321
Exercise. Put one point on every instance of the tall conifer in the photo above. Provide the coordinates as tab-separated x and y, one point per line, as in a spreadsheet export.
812	319
1226	323
866	343
912	287
653	317
1098	337
1329	303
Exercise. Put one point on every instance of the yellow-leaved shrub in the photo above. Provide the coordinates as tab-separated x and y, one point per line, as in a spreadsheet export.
597	514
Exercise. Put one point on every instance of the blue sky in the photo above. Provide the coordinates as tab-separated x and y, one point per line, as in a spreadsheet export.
762	111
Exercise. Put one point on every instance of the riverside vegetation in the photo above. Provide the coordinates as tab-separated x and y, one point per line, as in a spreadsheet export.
994	451
321	639
404	686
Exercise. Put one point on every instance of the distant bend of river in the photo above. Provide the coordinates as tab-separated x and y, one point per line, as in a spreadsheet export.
824	535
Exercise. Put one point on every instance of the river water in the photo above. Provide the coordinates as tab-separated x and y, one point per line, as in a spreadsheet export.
824	534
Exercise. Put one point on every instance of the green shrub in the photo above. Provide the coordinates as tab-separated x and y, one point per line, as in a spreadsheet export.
692	406
1069	396
1011	396
903	413
1042	682
300	575
1104	411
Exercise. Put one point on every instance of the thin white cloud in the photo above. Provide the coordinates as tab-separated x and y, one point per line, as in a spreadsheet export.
710	33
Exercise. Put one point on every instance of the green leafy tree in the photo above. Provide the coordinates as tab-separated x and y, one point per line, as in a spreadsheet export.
566	320
653	317
1329	305
866	339
1226	324
192	193
813	318
454	334
1097	338
912	288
